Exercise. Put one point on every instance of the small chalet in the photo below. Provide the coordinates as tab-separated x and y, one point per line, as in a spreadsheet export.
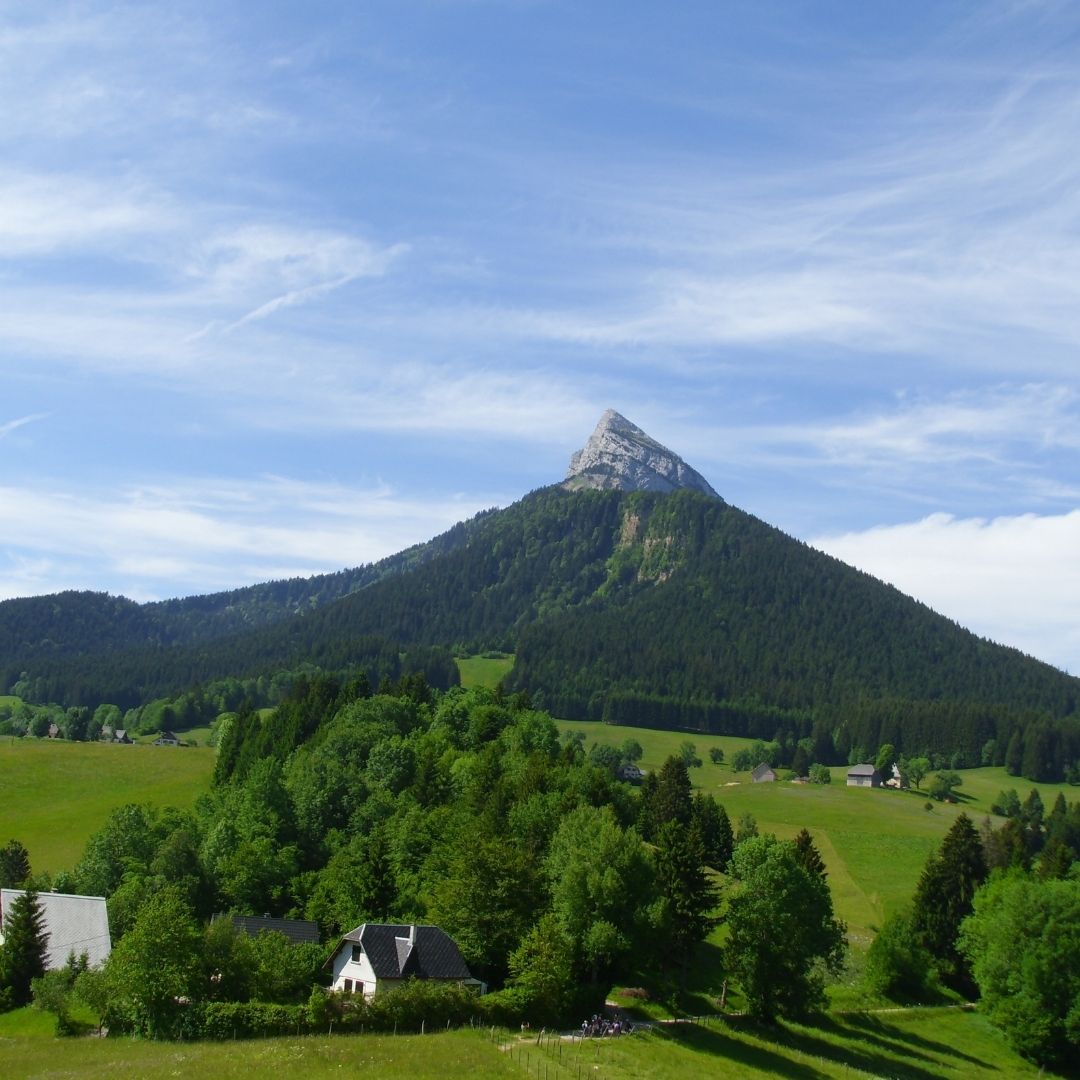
166	738
298	931
121	736
74	924
863	776
107	733
378	956
630	772
763	774
54	731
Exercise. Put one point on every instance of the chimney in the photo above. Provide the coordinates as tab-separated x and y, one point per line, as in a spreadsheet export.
412	933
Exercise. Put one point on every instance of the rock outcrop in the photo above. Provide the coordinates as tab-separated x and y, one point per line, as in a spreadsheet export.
619	455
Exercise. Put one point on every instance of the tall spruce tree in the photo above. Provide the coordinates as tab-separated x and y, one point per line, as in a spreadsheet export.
14	864
688	894
943	897
22	956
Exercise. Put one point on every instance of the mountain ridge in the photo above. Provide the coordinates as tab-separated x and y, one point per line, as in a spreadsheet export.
666	609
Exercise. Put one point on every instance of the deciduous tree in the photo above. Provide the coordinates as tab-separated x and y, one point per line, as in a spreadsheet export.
783	936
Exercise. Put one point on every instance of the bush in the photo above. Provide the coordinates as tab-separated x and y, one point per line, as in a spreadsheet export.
252	1019
897	965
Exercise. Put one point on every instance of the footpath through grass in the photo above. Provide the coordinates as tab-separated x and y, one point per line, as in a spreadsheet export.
57	793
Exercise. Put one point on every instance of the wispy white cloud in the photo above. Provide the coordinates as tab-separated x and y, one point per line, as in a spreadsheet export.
206	533
8	426
1015	580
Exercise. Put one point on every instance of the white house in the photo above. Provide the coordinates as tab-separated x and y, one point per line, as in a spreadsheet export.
75	924
378	956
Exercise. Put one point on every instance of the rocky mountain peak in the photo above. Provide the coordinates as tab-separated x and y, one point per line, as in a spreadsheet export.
619	455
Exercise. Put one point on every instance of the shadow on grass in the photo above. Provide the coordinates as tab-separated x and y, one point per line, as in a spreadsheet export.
878	1057
896	1039
719	1043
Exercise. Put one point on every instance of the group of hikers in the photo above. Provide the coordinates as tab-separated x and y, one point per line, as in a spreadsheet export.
601	1025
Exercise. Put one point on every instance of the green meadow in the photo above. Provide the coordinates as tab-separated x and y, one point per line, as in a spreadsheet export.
56	793
912	1044
483	670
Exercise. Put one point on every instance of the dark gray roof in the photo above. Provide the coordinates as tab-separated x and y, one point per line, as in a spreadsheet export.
861	770
431	954
298	931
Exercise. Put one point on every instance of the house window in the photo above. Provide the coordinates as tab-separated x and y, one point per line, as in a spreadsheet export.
356	953
348	986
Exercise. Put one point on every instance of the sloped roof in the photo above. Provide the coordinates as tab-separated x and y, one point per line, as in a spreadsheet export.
432	953
298	931
73	923
861	770
763	769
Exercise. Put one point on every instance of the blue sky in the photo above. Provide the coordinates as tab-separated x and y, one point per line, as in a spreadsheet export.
285	288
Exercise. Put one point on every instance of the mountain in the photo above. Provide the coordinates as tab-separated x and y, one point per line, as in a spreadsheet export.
619	456
664	608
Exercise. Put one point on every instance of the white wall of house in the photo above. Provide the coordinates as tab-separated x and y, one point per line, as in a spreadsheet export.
355	975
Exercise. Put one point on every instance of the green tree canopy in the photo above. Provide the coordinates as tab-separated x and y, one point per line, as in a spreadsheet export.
156	967
1023	943
783	937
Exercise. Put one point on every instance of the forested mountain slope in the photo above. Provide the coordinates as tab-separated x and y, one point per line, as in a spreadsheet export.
630	593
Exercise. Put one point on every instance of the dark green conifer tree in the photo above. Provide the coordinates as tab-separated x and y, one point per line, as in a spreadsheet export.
944	893
14	865
22	956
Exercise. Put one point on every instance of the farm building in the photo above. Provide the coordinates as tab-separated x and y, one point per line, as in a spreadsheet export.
630	772
763	774
378	956
863	776
75	924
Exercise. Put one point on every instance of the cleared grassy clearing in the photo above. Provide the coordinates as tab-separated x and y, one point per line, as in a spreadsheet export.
56	793
483	670
660	745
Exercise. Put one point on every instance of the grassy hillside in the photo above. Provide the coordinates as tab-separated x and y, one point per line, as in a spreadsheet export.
909	1044
874	842
55	793
660	745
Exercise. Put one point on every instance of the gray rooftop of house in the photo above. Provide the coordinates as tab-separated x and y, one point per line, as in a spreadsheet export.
398	950
78	924
298	931
861	770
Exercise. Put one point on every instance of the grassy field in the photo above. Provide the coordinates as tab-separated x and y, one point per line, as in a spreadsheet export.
483	670
874	842
910	1044
660	745
56	793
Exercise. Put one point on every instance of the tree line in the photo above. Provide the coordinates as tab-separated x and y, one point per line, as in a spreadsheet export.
461	808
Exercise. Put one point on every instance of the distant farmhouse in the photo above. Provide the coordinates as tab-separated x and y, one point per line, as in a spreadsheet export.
763	774
630	772
863	776
74	924
166	738
378	956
